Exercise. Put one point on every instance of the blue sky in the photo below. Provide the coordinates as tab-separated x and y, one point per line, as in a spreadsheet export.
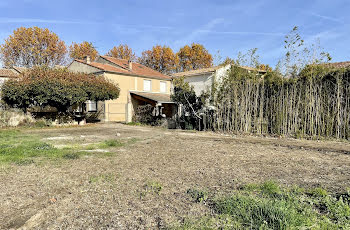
227	26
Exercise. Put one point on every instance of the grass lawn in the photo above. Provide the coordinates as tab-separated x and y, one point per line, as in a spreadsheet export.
270	206
23	148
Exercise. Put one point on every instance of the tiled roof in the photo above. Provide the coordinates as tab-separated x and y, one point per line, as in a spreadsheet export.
8	73
137	69
157	97
338	65
209	70
196	72
253	69
105	67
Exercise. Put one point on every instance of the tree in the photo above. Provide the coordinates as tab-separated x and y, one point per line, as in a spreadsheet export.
185	96
33	46
80	51
160	58
194	57
266	67
123	52
59	88
298	55
250	58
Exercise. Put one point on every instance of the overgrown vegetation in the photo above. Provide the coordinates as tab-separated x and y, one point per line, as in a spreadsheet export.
311	105
189	104
146	114
310	98
270	206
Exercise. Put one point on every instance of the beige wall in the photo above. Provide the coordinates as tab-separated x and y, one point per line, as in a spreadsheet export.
155	86
117	110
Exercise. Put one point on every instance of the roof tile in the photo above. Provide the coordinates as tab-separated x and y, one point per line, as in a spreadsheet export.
137	68
8	73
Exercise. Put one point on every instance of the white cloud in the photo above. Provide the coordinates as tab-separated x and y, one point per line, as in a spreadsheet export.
242	33
35	20
195	33
324	17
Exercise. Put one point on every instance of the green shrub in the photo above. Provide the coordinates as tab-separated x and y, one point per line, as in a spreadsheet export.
56	88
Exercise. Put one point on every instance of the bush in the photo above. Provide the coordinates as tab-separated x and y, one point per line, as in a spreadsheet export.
57	88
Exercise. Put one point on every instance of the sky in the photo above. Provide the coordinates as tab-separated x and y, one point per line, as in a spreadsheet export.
227	26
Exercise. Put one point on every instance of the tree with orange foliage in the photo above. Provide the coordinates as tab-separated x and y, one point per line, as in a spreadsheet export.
266	67
79	51
160	58
194	57
123	52
33	46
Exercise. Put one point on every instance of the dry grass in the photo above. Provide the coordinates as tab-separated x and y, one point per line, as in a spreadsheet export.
145	183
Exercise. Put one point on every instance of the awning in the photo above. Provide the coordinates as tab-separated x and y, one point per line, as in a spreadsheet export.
155	97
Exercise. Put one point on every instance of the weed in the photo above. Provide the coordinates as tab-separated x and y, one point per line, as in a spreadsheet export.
198	195
24	162
134	123
152	187
71	156
101	178
270	188
270	206
319	192
111	143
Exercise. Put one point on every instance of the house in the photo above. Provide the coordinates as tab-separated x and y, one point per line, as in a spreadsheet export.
7	73
139	85
203	79
338	65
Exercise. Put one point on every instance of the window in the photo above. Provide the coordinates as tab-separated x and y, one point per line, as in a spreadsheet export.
146	85
163	87
91	106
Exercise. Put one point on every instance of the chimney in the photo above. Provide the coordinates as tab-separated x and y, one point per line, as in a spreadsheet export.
88	60
130	64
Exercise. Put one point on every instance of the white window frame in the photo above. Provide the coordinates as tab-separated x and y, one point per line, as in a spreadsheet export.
165	86
144	85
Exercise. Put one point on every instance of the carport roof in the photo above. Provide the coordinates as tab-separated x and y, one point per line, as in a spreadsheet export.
156	97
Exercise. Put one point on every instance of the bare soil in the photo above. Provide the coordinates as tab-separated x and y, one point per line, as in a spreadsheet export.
113	192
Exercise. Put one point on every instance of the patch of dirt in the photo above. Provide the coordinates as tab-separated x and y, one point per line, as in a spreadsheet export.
108	192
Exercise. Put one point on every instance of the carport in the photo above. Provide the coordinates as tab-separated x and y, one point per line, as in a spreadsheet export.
161	102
